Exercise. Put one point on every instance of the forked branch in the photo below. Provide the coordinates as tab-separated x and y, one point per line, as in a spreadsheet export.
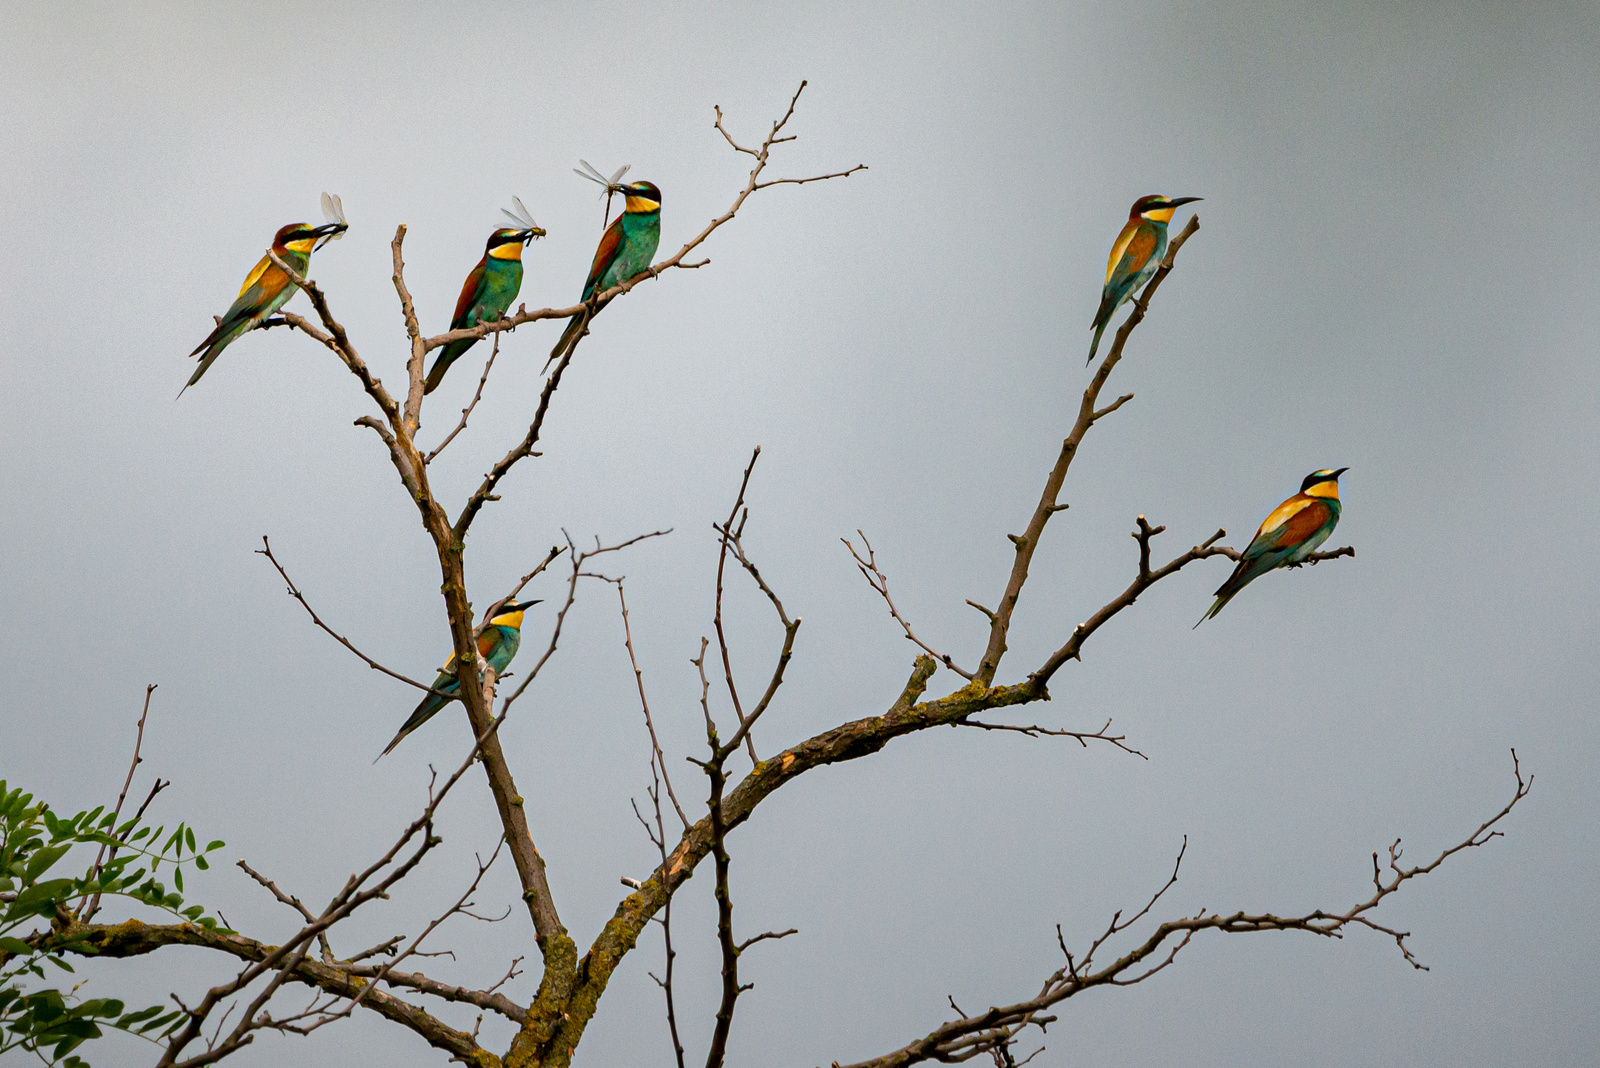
994	1029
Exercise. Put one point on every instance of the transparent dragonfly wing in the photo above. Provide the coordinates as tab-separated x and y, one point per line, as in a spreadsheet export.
521	216
332	208
592	174
333	211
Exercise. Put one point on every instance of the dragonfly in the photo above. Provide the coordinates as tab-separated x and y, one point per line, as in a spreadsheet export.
613	185
333	211
521	216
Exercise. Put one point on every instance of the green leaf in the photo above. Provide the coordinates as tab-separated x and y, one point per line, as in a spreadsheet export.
177	878
43	860
218	844
38	900
201	862
188	836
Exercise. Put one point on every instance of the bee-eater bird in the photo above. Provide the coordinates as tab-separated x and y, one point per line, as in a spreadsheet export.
1135	257
1288	536
626	248
489	290
497	644
265	290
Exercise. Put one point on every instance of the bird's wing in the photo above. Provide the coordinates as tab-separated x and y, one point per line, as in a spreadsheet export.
486	643
471	290
255	275
1304	524
610	242
263	284
1132	251
1290	524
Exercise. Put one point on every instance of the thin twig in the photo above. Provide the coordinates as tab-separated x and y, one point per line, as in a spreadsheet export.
644	704
1083	737
467	411
90	907
880	585
294	591
722	640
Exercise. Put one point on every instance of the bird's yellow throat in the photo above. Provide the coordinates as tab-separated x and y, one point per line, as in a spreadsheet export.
512	250
1159	215
509	619
1324	489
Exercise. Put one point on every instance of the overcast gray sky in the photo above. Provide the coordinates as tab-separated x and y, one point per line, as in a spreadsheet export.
1396	274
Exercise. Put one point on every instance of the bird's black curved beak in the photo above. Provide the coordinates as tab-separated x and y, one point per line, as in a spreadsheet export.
527	236
1339	472
329	229
1179	201
521	606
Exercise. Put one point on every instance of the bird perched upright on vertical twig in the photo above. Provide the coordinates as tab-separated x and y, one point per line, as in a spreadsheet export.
626	248
1135	257
268	288
497	645
1288	536
490	288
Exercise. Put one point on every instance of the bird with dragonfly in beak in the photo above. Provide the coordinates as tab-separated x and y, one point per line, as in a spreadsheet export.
490	288
268	287
626	248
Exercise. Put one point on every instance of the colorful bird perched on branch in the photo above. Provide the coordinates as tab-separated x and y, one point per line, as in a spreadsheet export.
626	248
1288	536
268	288
1135	257
490	288
497	645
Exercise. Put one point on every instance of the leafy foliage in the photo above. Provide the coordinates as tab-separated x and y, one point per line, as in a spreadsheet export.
42	913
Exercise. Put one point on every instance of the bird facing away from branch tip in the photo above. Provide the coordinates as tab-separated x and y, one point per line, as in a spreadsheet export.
1288	536
1135	257
268	288
497	645
626	248
490	288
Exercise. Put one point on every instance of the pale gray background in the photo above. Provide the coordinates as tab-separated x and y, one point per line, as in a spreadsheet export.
1397	273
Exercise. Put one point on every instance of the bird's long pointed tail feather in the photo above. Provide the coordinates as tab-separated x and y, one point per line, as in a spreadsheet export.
441	364
573	326
1216	607
1095	345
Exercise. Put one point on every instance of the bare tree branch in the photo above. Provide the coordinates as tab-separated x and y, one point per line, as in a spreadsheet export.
287	960
294	591
880	585
87	910
467	411
337	340
722	640
1028	541
1082	737
982	1032
656	756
